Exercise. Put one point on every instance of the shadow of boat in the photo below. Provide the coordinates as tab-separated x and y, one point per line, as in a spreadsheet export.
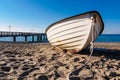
107	53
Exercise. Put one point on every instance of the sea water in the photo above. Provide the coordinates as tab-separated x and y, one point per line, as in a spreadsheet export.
101	38
108	38
18	39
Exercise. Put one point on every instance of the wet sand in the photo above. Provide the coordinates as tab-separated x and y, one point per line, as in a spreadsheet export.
36	61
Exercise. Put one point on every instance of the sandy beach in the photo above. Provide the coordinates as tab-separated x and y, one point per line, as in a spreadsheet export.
36	61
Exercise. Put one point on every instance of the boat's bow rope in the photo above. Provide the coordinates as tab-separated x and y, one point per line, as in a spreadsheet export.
75	72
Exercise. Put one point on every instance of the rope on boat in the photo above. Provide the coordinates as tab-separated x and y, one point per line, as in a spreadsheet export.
77	71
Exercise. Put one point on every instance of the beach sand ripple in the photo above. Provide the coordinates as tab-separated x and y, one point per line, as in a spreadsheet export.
41	61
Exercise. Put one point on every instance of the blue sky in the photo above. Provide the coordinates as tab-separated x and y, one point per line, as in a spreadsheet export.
37	15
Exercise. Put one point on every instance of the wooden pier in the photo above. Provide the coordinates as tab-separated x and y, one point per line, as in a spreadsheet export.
41	37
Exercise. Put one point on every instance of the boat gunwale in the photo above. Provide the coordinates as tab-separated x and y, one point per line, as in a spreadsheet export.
76	16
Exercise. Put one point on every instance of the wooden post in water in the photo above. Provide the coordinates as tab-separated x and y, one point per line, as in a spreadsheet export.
38	38
44	37
14	38
32	38
25	38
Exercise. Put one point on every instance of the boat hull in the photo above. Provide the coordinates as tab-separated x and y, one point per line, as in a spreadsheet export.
75	33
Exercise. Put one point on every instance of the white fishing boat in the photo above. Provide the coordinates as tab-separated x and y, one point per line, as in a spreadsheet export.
76	32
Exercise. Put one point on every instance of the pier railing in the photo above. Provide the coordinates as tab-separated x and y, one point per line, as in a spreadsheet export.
40	36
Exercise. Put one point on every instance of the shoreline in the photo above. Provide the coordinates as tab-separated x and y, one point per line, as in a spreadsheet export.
106	45
35	61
